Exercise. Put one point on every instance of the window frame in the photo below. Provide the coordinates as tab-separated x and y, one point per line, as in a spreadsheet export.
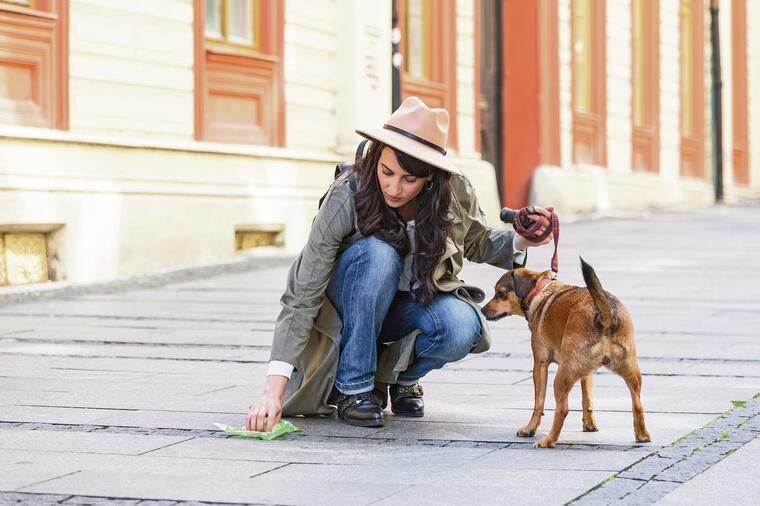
692	144
590	126
440	89
224	41
43	26
645	40
229	70
739	93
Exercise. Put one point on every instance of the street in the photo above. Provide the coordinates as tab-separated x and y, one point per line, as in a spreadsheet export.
109	397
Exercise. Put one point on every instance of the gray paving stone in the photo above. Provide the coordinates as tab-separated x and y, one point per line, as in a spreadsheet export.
20	498
143	476
450	484
649	493
83	442
337	451
582	459
97	501
648	468
728	482
611	491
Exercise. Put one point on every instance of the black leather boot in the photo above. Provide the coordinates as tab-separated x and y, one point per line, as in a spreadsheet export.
407	400
360	409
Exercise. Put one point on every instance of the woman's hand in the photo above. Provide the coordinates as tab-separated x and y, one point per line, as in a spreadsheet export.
522	243
268	409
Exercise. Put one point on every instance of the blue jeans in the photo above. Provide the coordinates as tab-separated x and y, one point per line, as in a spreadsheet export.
363	289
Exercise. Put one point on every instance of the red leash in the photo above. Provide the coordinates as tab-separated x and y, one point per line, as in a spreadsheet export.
528	221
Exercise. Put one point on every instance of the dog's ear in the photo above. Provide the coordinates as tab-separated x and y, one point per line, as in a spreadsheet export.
523	283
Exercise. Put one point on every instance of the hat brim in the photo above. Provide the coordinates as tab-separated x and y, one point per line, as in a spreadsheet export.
410	147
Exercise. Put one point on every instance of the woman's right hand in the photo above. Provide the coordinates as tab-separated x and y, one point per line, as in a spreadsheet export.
269	406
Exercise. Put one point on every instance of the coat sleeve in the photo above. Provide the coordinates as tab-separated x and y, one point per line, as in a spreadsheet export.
309	275
482	244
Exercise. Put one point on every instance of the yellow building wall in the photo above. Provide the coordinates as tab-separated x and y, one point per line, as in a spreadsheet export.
131	68
586	189
311	74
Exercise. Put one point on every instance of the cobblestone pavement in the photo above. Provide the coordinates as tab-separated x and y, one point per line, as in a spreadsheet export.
108	393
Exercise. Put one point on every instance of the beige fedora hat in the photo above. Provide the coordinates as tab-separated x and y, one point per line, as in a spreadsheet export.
417	130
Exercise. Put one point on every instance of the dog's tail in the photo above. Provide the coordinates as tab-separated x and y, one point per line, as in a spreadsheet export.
604	308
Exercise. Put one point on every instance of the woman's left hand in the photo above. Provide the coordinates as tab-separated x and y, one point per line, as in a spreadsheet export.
522	243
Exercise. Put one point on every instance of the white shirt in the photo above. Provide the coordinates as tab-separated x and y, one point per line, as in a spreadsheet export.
280	368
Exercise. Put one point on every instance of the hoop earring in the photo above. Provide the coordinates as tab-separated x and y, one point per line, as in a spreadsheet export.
429	185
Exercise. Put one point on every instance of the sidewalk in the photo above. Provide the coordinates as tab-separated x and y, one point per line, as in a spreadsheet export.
111	398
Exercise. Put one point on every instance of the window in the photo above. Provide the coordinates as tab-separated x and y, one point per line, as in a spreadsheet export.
233	22
239	95
428	45
645	80
692	88
34	63
739	92
589	83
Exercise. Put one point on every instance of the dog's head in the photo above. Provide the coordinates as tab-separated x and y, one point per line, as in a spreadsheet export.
513	293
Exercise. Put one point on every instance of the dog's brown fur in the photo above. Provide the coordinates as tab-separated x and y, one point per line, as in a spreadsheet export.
581	329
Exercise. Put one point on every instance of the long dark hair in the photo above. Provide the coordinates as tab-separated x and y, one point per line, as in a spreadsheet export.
377	218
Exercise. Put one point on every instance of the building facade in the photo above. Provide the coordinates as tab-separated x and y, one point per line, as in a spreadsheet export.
138	136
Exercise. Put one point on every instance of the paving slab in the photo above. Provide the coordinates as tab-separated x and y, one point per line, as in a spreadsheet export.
614	428
344	451
727	482
140	476
83	442
445	484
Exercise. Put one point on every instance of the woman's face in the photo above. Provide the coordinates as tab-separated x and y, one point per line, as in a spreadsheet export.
398	186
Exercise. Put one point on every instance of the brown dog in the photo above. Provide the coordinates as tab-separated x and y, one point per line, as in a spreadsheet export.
581	329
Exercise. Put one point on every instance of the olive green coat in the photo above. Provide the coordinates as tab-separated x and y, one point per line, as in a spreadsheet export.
307	333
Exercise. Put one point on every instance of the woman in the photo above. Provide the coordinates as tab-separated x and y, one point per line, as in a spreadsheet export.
373	299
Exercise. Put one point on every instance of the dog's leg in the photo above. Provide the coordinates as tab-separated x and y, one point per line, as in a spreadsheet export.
589	421
632	376
563	383
540	378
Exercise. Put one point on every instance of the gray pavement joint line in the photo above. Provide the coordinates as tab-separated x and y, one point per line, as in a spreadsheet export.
681	461
270	470
207	433
125	357
49	479
667	375
132	343
35	498
138	318
241	361
404	489
167	446
493	354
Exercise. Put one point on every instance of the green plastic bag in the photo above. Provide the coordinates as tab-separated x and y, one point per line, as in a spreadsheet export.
282	427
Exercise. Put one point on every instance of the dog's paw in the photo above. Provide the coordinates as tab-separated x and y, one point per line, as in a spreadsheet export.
544	442
526	432
643	438
590	428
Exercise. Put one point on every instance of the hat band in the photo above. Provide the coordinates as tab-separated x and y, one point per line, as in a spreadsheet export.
416	138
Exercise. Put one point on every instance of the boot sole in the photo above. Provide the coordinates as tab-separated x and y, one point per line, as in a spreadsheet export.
364	423
410	414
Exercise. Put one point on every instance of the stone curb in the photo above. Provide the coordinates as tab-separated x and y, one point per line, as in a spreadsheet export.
63	290
664	470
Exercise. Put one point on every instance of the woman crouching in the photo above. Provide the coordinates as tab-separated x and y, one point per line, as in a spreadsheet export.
373	302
